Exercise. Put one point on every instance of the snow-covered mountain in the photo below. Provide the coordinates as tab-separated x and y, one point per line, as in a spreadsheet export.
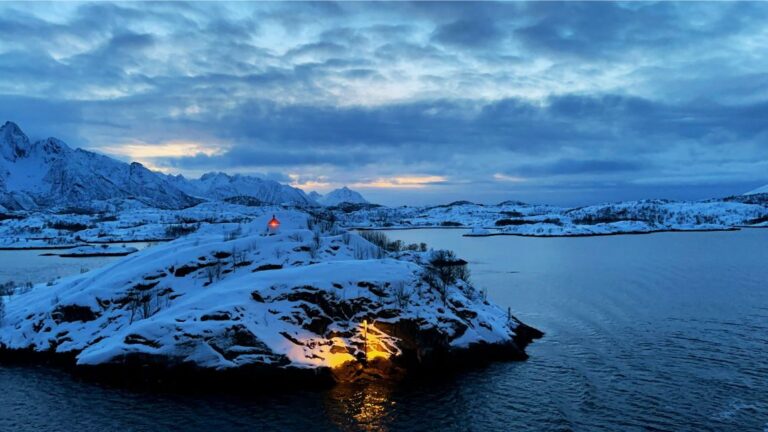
760	190
47	173
338	196
220	186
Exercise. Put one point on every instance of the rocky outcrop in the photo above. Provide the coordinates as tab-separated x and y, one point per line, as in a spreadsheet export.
320	306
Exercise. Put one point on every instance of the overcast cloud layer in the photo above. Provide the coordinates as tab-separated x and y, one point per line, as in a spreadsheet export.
410	103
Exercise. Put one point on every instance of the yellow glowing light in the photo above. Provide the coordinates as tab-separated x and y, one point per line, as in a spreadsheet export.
508	178
137	151
401	182
373	342
318	183
335	360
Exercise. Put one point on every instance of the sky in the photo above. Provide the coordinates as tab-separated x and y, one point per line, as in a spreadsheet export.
409	103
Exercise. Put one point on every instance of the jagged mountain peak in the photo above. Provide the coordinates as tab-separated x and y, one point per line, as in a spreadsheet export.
14	143
10	126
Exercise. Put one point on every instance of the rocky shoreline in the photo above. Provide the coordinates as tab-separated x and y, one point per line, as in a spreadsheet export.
146	372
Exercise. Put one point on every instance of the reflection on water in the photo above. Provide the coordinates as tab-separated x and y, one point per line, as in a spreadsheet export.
663	331
361	407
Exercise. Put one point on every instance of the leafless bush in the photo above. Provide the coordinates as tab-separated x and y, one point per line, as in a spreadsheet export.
238	258
430	278
363	252
448	268
213	272
24	288
234	234
402	294
346	238
144	303
322	221
376	237
314	246
443	270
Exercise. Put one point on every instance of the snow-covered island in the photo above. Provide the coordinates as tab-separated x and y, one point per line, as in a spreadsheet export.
96	251
233	301
516	218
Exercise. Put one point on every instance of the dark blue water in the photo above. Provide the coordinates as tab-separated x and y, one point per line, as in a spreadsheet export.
654	332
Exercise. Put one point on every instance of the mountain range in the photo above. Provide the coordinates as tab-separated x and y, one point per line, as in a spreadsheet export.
221	186
48	173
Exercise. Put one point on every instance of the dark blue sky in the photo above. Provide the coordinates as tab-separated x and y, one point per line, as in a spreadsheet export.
565	103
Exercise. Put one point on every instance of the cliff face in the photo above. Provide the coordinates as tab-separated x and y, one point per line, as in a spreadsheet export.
232	299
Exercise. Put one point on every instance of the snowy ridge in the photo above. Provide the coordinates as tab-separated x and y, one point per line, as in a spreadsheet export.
760	190
339	196
229	296
220	186
47	173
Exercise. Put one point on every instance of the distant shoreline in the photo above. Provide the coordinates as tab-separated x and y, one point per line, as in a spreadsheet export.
496	234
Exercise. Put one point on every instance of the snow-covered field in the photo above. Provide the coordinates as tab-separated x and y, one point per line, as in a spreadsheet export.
119	224
231	294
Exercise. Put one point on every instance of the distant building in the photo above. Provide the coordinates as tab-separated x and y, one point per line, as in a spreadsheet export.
273	225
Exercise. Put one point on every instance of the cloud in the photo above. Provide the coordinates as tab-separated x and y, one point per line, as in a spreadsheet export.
468	33
581	166
367	93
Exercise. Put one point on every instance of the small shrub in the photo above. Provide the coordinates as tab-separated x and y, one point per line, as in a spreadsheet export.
7	289
517	222
513	213
179	230
67	226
